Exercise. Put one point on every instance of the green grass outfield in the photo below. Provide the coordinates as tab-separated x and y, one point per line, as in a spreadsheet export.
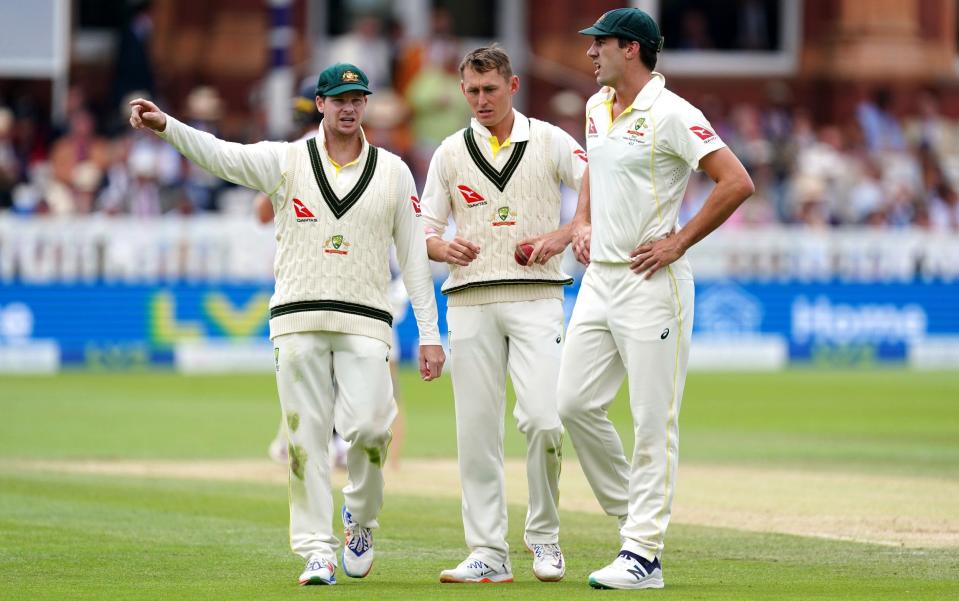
76	536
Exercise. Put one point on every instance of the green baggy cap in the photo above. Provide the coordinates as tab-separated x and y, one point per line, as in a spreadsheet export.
629	24
340	78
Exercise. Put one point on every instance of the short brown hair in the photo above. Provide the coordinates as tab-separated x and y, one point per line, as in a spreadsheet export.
486	59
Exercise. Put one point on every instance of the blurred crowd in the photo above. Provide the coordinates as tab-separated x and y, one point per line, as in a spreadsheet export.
878	169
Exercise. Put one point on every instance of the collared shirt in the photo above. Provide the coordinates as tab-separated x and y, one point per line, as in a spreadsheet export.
639	165
436	203
345	176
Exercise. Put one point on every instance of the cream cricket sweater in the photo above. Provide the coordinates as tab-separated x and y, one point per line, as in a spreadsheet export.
333	237
496	207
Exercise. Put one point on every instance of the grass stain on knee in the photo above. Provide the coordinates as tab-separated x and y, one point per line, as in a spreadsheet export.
374	455
297	460
293	421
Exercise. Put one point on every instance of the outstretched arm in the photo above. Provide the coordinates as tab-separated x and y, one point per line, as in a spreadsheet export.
258	166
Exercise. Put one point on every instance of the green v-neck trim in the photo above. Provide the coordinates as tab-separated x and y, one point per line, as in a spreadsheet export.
339	206
499	178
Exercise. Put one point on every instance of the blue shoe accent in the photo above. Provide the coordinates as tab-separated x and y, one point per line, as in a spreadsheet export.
645	564
357	552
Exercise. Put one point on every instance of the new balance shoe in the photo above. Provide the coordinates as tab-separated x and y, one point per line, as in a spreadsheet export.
628	570
548	562
318	570
357	547
475	570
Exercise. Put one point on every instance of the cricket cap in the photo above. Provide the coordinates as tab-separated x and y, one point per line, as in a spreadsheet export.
341	78
628	24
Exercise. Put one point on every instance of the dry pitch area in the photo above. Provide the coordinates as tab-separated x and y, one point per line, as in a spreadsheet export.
877	509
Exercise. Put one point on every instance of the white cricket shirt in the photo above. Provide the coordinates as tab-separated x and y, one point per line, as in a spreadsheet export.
639	165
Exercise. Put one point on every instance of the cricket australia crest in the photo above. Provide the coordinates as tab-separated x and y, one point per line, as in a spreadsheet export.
336	245
504	216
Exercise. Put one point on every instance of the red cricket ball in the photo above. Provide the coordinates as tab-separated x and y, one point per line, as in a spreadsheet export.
523	251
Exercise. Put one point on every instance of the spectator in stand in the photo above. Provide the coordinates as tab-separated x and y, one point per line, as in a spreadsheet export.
80	145
879	125
438	109
386	123
943	209
78	196
440	42
367	47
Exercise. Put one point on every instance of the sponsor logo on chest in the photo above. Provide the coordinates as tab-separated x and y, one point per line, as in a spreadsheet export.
471	196
301	212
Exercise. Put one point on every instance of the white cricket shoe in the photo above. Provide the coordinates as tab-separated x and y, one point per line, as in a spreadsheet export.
319	570
357	547
475	570
628	570
548	562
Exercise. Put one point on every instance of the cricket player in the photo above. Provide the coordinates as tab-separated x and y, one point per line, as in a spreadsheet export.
500	179
634	312
339	204
307	120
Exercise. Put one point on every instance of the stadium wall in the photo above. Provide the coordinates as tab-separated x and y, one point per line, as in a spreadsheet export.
193	294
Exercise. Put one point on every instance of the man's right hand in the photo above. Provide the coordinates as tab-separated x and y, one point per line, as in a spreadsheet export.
461	251
582	233
146	114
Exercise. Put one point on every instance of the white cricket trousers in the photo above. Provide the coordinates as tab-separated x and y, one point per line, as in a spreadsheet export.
486	340
362	408
626	325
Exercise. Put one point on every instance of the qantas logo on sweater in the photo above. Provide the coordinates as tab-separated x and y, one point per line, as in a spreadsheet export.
471	196
416	205
702	133
581	154
302	213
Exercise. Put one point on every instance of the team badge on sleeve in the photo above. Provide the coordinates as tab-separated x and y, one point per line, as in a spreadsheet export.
702	133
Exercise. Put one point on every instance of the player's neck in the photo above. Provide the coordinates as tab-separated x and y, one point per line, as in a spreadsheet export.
343	149
504	128
628	88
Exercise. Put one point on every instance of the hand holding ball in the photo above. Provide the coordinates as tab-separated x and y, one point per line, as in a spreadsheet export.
523	251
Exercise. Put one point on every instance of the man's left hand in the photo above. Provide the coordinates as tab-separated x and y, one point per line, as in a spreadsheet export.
547	246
